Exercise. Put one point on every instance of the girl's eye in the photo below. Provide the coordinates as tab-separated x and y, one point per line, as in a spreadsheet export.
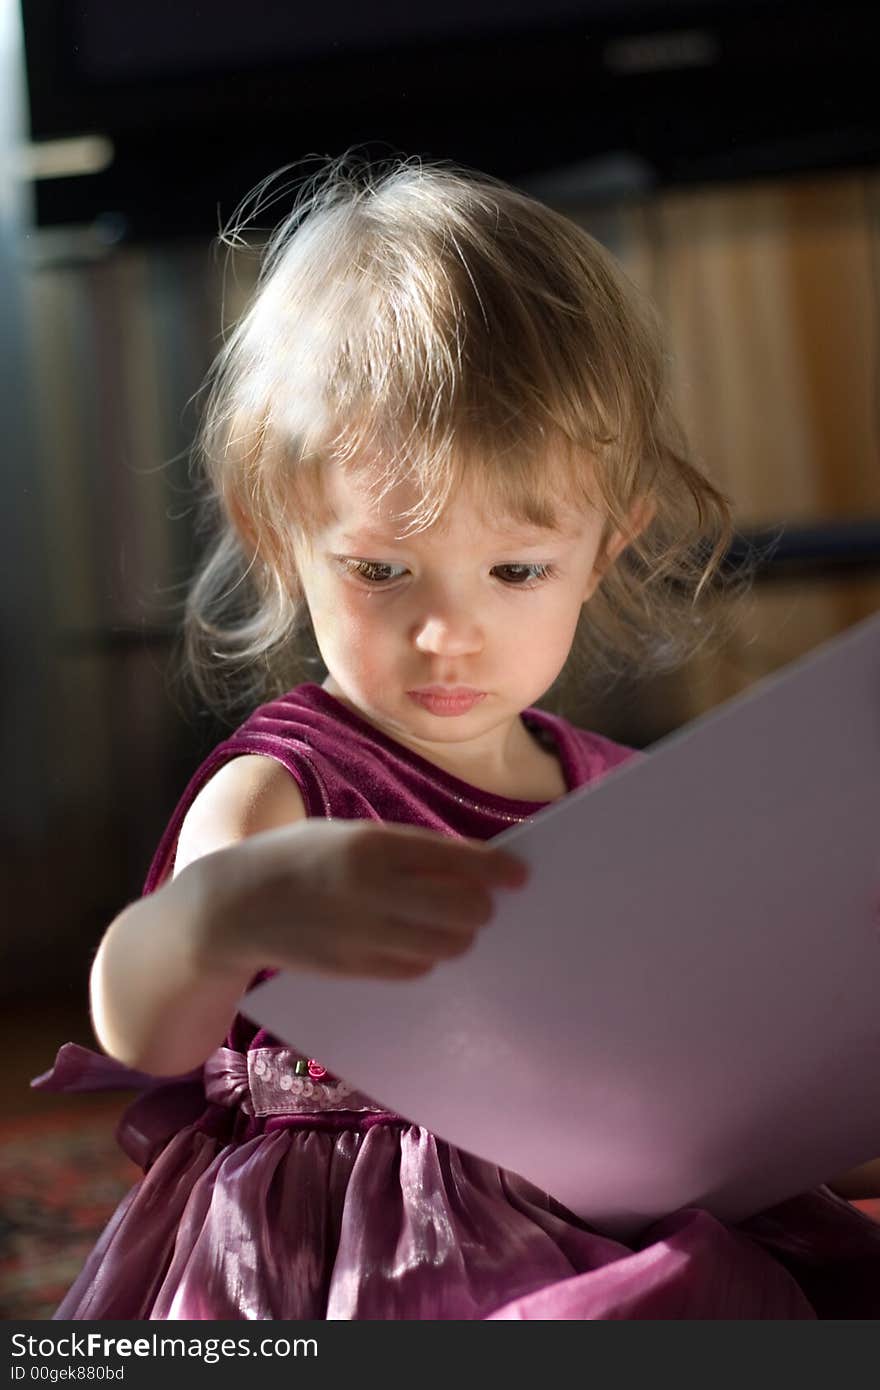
516	576
526	576
371	570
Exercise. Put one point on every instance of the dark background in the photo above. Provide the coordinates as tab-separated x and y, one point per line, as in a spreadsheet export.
204	99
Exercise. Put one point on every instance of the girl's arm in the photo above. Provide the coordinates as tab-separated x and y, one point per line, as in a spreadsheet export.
161	1002
259	884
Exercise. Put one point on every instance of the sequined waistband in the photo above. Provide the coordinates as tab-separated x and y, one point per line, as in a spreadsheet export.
265	1082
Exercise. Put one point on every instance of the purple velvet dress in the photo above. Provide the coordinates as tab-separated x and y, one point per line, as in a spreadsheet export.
273	1191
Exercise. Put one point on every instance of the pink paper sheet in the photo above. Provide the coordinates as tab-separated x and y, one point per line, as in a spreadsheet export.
683	1006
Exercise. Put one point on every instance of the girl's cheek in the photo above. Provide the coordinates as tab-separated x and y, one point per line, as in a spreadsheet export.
360	639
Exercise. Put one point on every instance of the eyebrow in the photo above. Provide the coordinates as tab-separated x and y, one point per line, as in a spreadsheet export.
523	536
359	537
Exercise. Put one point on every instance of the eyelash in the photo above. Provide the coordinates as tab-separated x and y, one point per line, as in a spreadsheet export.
358	568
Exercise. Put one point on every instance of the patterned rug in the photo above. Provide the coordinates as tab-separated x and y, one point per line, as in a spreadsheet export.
61	1177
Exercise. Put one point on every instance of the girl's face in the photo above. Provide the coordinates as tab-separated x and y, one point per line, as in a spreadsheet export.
489	606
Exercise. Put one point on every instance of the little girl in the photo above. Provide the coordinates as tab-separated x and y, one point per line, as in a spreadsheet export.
441	448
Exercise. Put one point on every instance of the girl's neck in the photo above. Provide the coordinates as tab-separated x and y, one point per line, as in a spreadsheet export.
512	764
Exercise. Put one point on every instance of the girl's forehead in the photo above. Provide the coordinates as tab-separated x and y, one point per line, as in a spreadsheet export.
360	525
358	512
523	538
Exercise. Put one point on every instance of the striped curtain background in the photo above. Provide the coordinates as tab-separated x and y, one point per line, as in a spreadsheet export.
770	293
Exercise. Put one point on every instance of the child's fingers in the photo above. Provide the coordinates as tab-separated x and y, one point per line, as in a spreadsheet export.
439	903
415	942
381	967
411	849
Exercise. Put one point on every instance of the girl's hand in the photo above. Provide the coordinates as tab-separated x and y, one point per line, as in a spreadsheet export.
356	898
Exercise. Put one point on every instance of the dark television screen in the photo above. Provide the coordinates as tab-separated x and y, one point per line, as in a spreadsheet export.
149	37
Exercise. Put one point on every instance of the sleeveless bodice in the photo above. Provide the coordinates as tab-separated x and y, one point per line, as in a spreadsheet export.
347	769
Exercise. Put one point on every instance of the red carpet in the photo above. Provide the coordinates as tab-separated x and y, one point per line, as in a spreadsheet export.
61	1177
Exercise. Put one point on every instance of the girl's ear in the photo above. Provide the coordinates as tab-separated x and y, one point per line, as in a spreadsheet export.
265	548
641	514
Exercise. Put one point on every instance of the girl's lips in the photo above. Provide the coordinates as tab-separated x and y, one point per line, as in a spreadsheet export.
448	692
446	704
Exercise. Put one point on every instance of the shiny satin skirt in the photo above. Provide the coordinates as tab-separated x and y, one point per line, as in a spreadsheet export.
268	1194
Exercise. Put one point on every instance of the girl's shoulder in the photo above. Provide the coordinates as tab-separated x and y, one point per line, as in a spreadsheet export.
605	750
586	755
260	777
249	794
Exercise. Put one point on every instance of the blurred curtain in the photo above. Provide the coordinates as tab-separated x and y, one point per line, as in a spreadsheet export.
770	295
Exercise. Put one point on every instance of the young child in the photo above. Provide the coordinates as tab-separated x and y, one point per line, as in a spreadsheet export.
441	446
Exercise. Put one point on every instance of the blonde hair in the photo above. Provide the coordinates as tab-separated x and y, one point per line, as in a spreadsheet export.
449	329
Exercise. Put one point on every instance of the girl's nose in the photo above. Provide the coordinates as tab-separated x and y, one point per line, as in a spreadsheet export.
455	636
